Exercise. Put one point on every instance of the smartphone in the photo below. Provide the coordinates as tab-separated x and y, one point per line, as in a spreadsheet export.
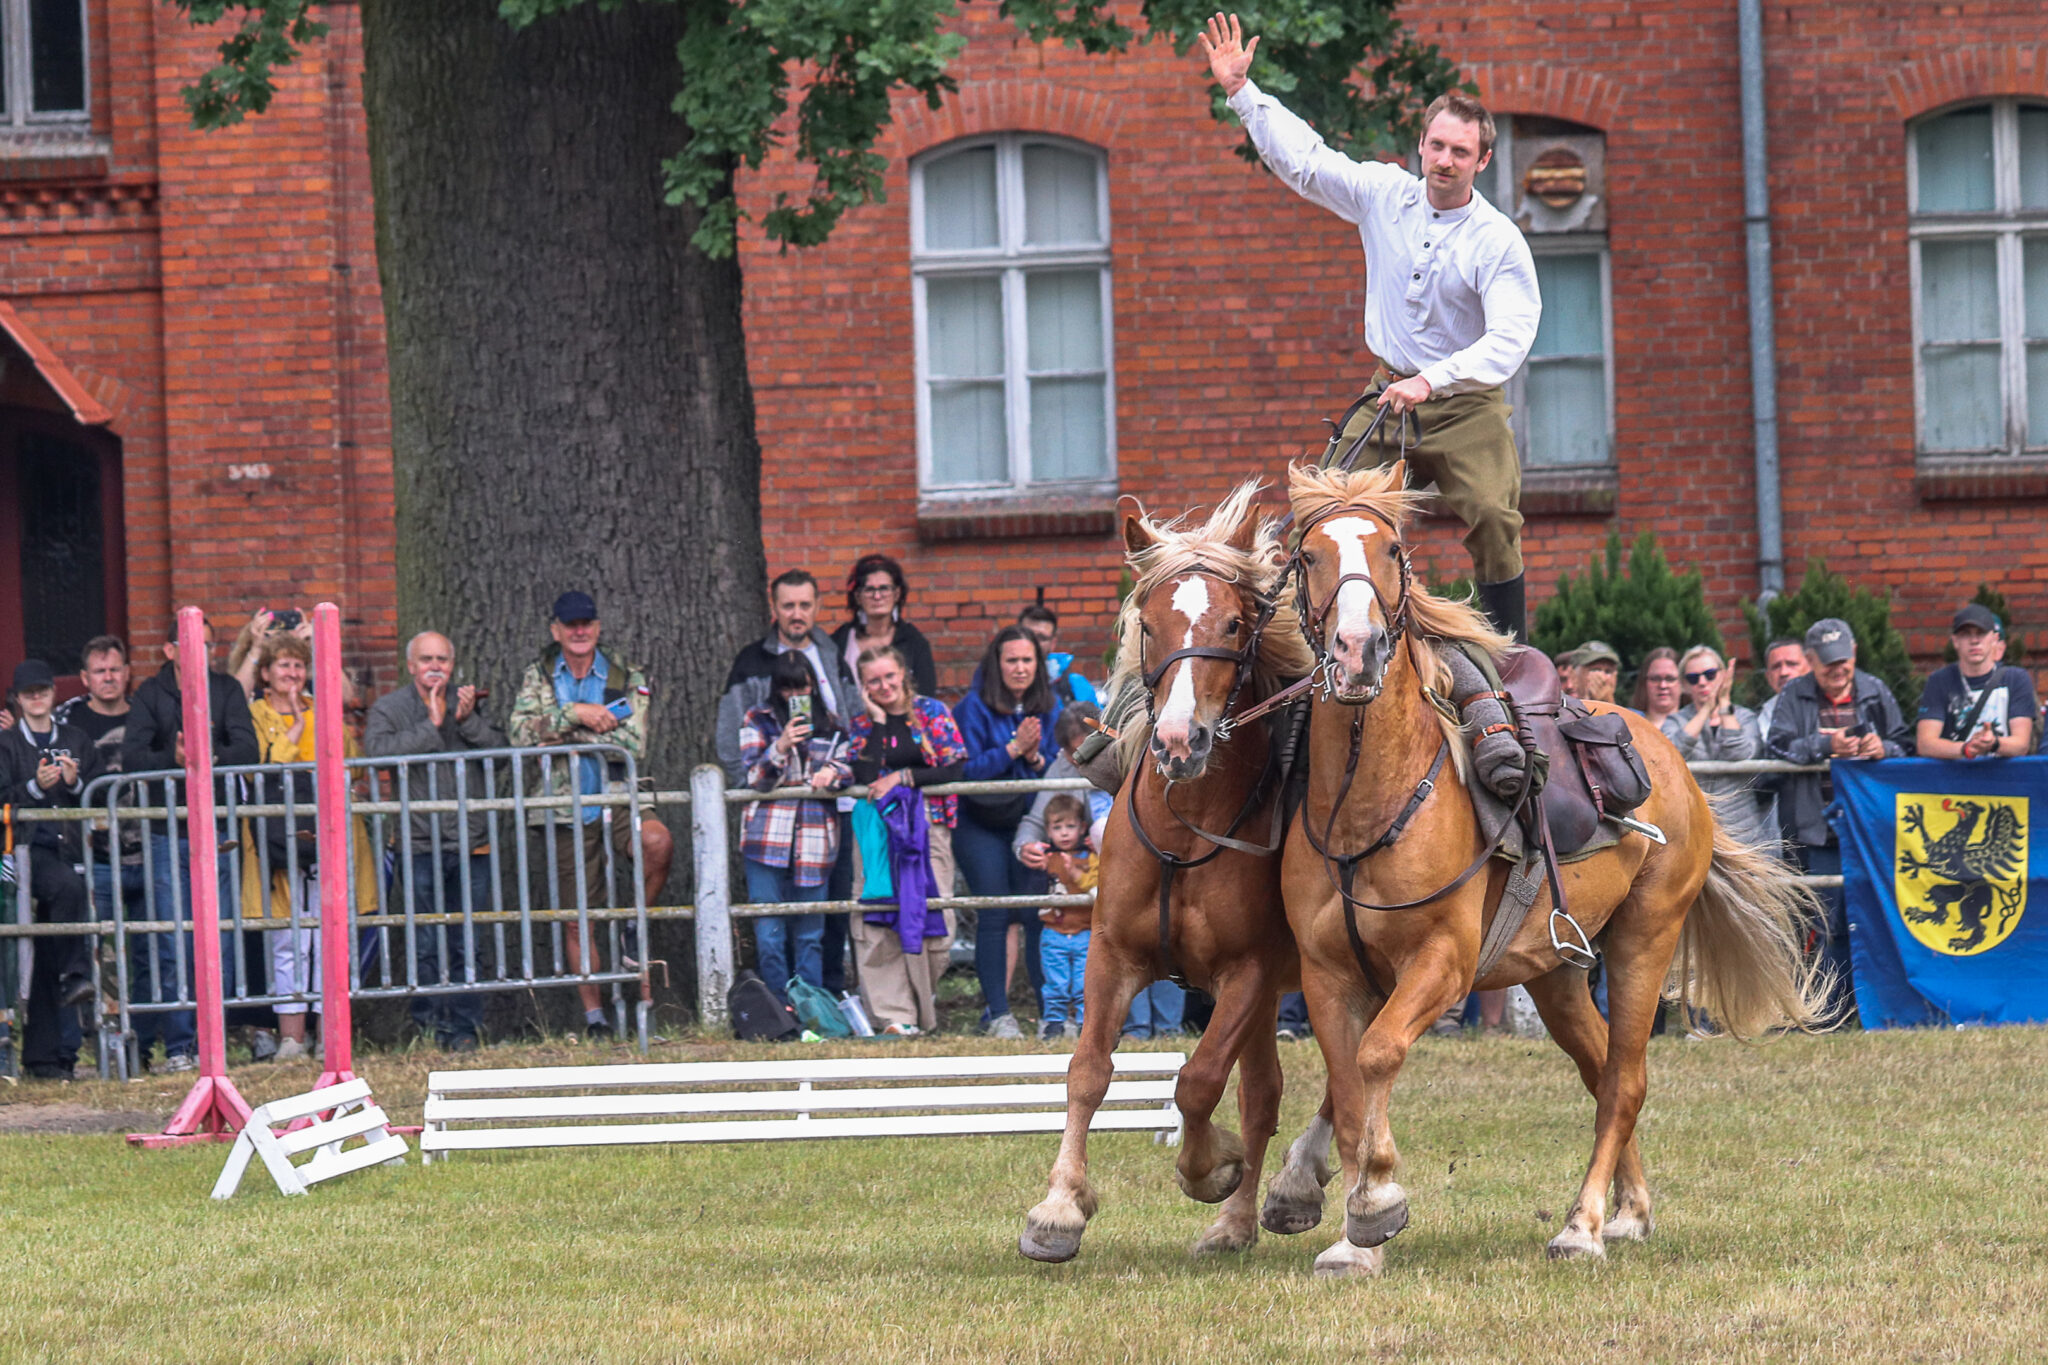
800	709
1857	731
621	707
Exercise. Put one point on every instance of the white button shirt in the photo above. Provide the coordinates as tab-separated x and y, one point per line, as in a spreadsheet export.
1450	294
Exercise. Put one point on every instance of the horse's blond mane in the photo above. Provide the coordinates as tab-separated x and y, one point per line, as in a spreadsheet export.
1178	549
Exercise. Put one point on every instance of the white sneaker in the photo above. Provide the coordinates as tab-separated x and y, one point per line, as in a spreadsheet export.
1004	1026
291	1050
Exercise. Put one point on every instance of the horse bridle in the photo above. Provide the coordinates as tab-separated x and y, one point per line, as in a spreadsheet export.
1171	864
1246	658
1313	617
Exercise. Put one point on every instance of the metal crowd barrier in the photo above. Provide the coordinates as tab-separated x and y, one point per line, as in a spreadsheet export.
409	816
526	932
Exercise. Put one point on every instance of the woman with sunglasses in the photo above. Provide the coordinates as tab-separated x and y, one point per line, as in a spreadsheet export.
1710	727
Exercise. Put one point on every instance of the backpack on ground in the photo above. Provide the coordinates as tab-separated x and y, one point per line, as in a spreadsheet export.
817	1009
757	1016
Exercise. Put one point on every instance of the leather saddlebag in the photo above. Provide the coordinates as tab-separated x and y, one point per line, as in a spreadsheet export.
1607	754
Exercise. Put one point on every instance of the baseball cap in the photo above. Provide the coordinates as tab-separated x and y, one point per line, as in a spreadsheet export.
574	606
30	674
1596	652
1978	615
1830	640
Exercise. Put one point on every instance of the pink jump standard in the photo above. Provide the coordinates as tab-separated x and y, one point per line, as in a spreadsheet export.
214	1111
330	779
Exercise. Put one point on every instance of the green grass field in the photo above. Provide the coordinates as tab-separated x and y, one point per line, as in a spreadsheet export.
1862	1197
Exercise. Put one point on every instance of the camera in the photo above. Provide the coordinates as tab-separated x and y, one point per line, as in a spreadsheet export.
288	619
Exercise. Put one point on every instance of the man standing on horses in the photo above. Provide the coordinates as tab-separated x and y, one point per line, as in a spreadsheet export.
1451	304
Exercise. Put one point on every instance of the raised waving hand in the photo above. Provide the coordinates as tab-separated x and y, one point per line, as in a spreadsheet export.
1230	57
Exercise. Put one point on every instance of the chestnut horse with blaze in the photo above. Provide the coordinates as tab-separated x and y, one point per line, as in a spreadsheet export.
1190	870
1721	918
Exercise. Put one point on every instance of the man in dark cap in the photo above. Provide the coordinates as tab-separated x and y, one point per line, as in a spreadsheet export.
1976	707
577	692
44	766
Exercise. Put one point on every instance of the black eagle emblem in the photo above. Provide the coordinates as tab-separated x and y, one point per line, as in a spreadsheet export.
1963	873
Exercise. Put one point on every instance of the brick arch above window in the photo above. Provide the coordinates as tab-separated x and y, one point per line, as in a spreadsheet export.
1968	73
1552	91
1003	106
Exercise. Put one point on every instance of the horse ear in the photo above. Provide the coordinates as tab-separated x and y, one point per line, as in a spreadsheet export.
1136	537
1397	473
1247	533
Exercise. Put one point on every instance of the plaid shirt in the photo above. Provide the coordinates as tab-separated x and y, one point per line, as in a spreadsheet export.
938	737
802	836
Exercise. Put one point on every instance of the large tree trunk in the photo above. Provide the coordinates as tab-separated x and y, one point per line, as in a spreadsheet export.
569	395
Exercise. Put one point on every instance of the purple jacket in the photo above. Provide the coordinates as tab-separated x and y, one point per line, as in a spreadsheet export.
910	866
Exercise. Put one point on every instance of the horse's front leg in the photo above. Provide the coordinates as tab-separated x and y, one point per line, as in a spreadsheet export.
1052	1230
1211	1165
1338	1010
1377	1207
1259	1085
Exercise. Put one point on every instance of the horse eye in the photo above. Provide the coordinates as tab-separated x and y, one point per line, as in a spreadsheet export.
1230	628
1308	560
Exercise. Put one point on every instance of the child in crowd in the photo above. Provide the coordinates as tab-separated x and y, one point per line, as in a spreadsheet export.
1064	952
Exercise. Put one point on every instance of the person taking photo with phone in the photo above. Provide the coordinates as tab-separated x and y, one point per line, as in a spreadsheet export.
788	847
1834	713
44	765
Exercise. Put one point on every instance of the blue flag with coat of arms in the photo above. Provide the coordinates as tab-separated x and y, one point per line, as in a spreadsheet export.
1945	882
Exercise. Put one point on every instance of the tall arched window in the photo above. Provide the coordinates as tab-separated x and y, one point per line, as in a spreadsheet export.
1978	184
1010	264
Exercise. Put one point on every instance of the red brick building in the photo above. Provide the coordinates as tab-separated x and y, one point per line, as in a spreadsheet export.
1074	292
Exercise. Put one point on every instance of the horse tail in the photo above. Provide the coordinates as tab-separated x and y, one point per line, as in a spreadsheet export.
1740	956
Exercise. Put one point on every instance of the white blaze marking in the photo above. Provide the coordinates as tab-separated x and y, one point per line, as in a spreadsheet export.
1190	599
1354	599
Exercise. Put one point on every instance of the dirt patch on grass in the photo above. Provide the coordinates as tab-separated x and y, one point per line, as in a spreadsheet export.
75	1118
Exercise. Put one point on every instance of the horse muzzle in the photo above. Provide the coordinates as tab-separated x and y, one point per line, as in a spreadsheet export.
1182	759
1354	674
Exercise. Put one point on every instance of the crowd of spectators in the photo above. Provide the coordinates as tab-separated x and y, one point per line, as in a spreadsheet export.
1822	708
804	707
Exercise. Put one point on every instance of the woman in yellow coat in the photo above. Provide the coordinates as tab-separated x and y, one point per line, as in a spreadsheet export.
283	717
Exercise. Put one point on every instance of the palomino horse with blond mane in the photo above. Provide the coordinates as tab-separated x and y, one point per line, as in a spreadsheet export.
1395	936
1190	882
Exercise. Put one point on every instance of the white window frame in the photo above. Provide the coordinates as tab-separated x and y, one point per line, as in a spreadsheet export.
1501	193
1570	244
2008	226
16	117
1011	260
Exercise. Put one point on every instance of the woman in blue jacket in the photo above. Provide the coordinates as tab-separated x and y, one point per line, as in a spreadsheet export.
1007	722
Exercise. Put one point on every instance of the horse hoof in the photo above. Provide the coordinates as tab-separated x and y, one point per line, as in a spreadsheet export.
1290	1216
1215	1187
1220	1238
1347	1262
1627	1227
1573	1243
1051	1245
1373	1221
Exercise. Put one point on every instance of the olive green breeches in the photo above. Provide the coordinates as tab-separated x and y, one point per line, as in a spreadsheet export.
1464	446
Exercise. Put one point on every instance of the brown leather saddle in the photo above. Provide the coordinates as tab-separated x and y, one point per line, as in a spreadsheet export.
1593	771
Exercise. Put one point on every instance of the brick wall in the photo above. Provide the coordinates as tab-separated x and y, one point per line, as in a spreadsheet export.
218	291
